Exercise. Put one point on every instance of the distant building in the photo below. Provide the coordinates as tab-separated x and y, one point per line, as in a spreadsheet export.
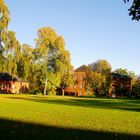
79	87
121	84
11	84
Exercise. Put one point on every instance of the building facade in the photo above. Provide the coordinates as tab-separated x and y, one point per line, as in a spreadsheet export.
10	84
120	84
79	87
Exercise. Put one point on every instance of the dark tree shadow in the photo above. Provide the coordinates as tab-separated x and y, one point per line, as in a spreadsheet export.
119	104
16	130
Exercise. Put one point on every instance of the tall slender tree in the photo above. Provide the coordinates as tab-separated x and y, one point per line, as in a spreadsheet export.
104	68
11	51
65	70
4	20
50	52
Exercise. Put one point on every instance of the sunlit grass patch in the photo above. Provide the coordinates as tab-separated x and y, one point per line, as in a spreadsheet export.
120	117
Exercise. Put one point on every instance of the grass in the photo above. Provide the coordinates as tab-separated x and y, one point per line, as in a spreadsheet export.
68	118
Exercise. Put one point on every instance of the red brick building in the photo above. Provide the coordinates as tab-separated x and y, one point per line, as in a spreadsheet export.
79	87
121	84
10	84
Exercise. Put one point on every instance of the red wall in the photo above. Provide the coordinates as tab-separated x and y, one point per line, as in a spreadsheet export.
14	87
79	88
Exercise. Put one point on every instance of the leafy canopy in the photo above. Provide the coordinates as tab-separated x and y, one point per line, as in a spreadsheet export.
134	10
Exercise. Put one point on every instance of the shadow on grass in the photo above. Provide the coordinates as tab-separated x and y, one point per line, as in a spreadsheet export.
10	129
98	103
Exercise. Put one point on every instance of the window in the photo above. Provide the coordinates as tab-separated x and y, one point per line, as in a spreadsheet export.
75	77
81	85
76	94
81	93
2	86
13	87
121	85
113	90
8	86
75	86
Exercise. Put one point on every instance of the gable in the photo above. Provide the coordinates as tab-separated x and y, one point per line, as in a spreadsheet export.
81	68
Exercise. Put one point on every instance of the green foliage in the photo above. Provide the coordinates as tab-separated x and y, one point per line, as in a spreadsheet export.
100	77
4	20
101	66
25	63
65	70
48	65
94	81
128	73
4	15
11	52
135	82
136	88
121	71
134	10
54	57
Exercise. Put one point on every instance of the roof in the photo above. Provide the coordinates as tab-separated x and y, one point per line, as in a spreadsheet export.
120	76
81	69
8	77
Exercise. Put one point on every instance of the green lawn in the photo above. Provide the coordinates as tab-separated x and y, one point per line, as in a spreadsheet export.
68	118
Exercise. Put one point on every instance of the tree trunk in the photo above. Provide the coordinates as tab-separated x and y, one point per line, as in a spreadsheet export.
63	92
45	87
0	44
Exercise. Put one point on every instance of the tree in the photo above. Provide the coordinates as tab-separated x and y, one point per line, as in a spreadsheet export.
121	71
11	51
136	88
66	70
101	66
94	81
4	20
134	10
48	64
52	54
128	73
135	83
4	15
25	62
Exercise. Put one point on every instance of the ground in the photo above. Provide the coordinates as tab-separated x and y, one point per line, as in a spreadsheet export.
68	118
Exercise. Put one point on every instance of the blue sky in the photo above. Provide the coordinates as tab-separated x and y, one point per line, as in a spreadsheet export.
92	29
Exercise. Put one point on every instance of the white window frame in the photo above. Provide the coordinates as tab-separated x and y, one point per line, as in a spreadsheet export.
13	87
75	77
75	86
2	86
8	87
81	85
